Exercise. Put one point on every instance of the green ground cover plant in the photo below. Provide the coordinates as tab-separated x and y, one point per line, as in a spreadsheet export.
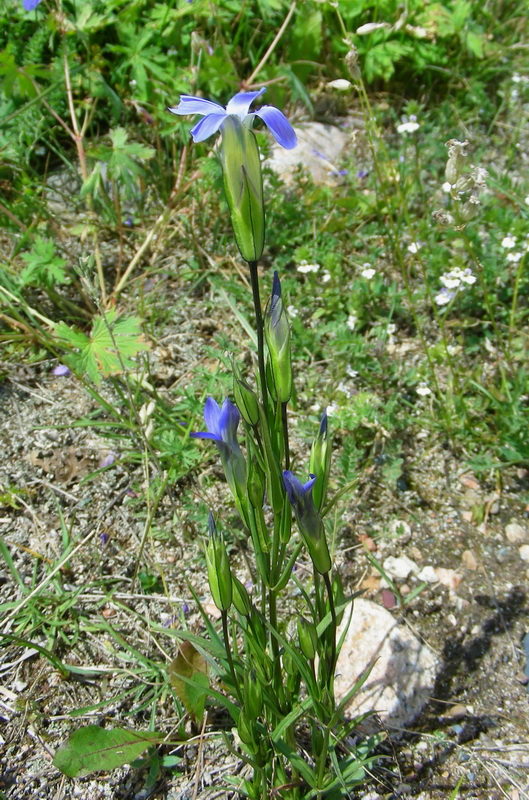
420	246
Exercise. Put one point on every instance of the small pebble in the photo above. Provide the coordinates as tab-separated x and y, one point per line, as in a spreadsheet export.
400	567
469	560
524	552
516	534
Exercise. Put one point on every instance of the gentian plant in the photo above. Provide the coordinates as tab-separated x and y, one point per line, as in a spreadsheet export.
278	674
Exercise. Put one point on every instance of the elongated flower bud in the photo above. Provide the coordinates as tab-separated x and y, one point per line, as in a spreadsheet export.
253	694
245	398
243	184
277	332
320	463
308	638
219	574
240	597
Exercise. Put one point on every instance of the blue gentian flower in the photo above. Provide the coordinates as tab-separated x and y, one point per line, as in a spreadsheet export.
31	5
222	424
214	115
308	518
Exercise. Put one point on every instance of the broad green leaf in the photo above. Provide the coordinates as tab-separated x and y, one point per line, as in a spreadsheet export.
95	749
109	348
189	679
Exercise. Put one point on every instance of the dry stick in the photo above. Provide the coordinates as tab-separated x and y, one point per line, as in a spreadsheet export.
272	47
154	230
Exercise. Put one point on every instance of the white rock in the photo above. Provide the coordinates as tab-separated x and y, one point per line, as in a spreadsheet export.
428	574
404	669
400	567
524	552
516	534
319	150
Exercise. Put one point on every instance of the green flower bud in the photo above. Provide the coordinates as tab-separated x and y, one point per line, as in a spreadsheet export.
219	573
245	398
256	478
277	332
240	597
247	732
243	184
320	462
253	694
308	638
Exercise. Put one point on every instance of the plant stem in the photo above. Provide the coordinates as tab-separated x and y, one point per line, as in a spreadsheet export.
229	657
260	332
284	420
332	664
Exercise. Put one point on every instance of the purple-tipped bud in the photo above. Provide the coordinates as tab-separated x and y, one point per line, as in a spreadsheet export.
320	462
277	332
219	573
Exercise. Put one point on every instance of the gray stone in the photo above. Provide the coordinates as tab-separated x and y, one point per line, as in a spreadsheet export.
516	534
319	150
400	567
404	669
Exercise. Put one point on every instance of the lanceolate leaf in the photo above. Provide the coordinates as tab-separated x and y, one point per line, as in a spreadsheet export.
95	749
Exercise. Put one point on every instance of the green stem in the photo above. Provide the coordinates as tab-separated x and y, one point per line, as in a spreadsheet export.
260	332
225	634
332	661
284	420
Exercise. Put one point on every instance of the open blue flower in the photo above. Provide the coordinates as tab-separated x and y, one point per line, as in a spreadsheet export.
31	5
214	115
222	424
308	518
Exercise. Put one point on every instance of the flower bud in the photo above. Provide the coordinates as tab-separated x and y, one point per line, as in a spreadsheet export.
309	520
247	732
219	574
277	332
240	597
253	694
245	398
243	184
320	462
308	638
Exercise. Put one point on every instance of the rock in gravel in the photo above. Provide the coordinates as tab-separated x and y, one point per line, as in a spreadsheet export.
428	574
469	560
524	552
319	149
516	534
404	668
400	567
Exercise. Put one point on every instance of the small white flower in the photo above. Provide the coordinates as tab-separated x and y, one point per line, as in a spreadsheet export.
414	247
450	280
526	201
370	27
351	321
332	409
326	276
452	349
443	298
423	390
446	187
391	328
508	242
408	127
513	257
344	389
340	83
292	312
368	273
467	277
305	268
353	373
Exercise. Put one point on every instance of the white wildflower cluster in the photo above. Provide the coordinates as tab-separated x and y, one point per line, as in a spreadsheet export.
305	267
352	319
423	390
453	281
464	187
414	247
510	242
368	272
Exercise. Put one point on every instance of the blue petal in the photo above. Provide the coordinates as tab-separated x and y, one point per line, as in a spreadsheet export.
294	488
212	417
191	105
279	126
241	102
204	435
307	487
207	126
228	422
31	5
